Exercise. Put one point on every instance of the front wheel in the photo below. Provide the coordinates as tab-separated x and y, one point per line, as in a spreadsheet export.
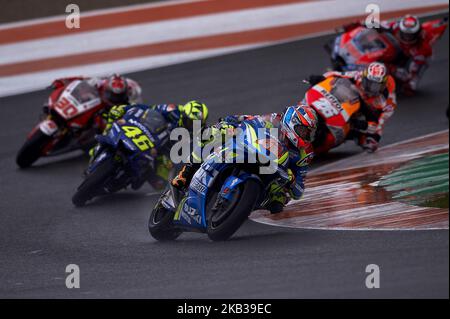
160	224
227	219
93	184
32	149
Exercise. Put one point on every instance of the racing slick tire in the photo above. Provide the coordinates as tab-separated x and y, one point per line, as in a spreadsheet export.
223	223
32	149
90	187
160	224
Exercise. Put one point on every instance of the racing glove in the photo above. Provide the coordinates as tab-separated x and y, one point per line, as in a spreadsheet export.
371	142
224	128
278	199
291	176
116	112
371	128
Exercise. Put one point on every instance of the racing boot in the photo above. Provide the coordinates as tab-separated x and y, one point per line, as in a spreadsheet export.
184	177
278	199
275	207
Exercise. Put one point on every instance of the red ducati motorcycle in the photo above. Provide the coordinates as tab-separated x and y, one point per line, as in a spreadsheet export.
360	46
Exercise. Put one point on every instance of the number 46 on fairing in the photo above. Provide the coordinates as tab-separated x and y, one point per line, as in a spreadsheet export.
138	137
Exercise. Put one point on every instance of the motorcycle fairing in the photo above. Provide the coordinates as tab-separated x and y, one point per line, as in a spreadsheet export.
361	46
336	109
191	212
136	158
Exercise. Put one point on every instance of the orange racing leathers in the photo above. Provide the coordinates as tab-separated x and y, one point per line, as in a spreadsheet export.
376	109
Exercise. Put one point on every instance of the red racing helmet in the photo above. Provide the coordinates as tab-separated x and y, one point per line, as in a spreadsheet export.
116	90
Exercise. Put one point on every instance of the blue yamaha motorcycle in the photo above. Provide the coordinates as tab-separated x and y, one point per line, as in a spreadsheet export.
226	188
124	156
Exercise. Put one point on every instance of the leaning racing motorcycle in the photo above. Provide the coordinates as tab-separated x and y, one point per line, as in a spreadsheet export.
360	46
337	103
127	155
71	120
225	189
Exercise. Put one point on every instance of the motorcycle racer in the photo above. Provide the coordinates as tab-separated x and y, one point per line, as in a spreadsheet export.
378	99
175	115
296	126
113	90
415	41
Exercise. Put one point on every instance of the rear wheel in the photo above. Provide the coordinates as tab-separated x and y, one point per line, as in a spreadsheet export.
93	184
229	216
32	149
160	224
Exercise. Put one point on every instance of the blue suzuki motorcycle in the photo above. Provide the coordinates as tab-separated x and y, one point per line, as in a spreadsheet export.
124	156
226	188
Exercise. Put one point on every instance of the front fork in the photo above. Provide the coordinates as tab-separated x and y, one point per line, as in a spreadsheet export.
226	192
48	126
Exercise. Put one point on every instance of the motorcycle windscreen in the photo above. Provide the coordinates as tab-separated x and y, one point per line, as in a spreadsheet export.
79	97
154	121
344	91
369	41
373	88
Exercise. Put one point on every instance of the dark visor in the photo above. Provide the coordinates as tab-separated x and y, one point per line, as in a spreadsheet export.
303	132
115	99
408	37
373	88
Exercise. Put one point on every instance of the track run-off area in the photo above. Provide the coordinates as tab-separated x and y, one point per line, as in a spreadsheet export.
381	191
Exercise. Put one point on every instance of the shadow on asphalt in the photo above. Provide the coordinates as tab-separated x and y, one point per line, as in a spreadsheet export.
120	198
53	163
249	234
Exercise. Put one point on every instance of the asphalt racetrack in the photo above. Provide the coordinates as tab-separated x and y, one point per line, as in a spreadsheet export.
41	232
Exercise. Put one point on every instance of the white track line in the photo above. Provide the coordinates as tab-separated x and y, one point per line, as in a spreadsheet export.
267	221
24	83
29	82
97	12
